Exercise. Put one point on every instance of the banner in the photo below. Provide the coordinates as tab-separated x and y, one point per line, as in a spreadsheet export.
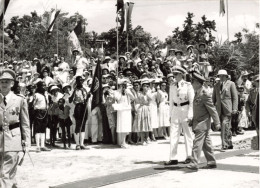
121	15
222	8
73	43
130	6
53	17
96	88
3	7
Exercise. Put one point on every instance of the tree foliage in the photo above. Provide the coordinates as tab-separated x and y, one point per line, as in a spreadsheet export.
193	33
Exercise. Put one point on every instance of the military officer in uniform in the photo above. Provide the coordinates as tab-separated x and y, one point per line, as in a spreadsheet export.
181	100
203	110
14	128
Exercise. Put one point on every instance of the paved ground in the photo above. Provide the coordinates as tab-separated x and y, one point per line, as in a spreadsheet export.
62	166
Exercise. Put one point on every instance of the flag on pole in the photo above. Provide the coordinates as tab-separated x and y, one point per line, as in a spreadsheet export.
96	88
121	14
129	10
79	27
53	17
73	43
3	7
222	8
120	5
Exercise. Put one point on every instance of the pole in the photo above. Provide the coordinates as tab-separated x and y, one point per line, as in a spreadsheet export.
57	24
3	32
227	23
126	41
117	49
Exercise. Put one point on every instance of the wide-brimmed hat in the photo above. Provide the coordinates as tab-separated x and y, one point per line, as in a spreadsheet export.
65	85
244	73
203	44
222	72
127	70
54	87
36	59
178	51
105	85
75	50
7	74
107	58
145	81
189	46
178	69
122	57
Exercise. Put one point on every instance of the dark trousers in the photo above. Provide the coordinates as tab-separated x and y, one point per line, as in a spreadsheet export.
65	126
234	123
226	133
53	129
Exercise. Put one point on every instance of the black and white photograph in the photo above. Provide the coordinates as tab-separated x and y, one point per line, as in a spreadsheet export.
129	93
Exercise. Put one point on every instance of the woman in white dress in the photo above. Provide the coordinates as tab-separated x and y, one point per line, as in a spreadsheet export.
124	116
143	113
154	111
164	110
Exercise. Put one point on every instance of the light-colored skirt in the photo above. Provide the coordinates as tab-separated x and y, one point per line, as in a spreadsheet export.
143	119
164	112
154	116
124	121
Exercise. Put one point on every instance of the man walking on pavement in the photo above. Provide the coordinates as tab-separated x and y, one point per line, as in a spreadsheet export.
203	110
181	101
225	97
14	128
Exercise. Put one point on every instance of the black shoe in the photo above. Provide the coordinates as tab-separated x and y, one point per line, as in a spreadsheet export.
45	149
187	161
209	166
171	162
234	134
78	147
230	147
224	148
83	147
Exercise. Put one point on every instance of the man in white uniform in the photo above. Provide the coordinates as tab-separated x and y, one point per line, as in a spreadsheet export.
181	105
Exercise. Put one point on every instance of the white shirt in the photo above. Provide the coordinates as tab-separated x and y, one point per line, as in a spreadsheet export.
40	101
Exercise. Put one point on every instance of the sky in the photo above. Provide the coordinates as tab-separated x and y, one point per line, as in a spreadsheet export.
159	17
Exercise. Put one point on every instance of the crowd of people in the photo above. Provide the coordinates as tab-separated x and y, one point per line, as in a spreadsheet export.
139	98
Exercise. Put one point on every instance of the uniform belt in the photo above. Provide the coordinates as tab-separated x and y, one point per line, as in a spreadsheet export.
11	127
181	104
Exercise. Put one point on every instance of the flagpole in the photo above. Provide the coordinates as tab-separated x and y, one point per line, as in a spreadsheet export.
3	30
57	34
117	49
227	23
127	41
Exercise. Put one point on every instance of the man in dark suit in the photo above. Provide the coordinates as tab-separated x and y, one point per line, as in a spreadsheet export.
225	97
203	110
14	128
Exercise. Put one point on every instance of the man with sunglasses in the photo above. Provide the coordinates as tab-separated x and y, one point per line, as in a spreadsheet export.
181	101
225	97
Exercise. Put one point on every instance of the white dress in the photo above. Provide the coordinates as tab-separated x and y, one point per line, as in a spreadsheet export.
164	109
154	110
124	117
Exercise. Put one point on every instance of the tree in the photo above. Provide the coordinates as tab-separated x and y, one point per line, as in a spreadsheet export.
137	37
193	33
30	38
